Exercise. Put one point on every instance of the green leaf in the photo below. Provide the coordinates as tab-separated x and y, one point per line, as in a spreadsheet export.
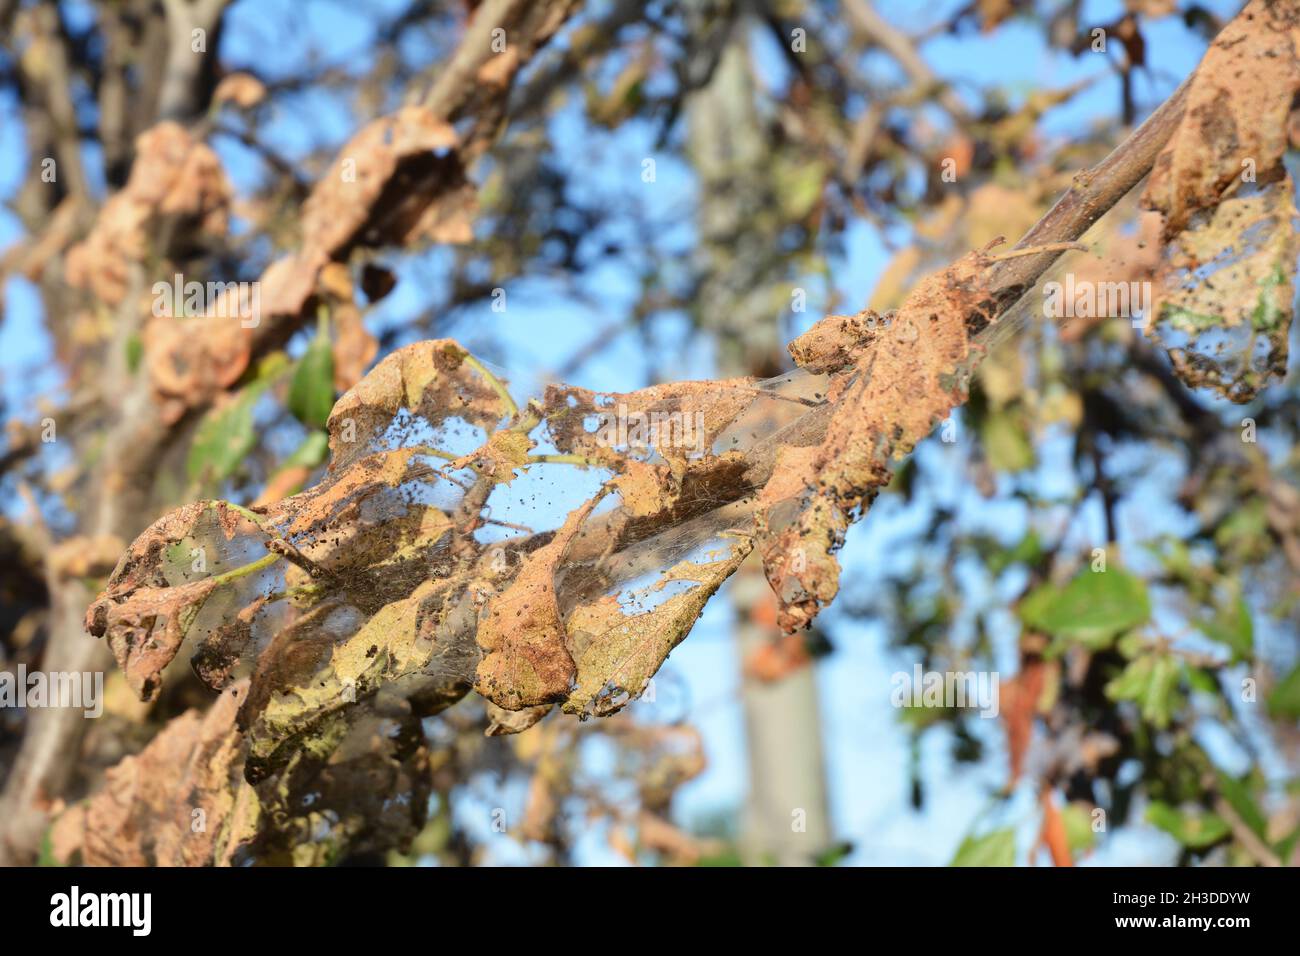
1194	830
1176	559
1243	534
1151	681
134	353
1133	681
1284	701
1237	793
1232	625
1162	697
1005	443
1029	550
1092	609
1078	827
834	855
1201	680
993	849
224	438
310	453
226	434
311	391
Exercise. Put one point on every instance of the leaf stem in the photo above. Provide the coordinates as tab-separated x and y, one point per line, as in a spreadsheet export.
265	561
497	386
247	513
581	460
1035	250
433	452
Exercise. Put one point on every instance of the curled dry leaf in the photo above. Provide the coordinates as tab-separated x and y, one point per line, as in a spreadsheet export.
354	347
309	682
360	519
242	89
173	175
526	662
430	380
677	420
1235	118
1020	697
367	196
145	812
502	721
398	180
289	282
1052	834
1222	304
366	790
903	383
155	594
148	629
1224	292
619	646
834	343
192	359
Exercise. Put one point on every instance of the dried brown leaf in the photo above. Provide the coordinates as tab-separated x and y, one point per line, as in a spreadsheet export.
173	175
1235	117
242	89
174	803
366	196
618	646
502	722
354	347
526	661
908	381
431	380
151	600
835	342
1223	297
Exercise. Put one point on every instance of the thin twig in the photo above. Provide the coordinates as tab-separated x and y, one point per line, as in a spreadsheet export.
1247	837
1035	250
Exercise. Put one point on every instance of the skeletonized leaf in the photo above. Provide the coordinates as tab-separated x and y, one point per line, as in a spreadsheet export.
1235	117
430	380
904	382
1223	298
160	588
526	661
618	650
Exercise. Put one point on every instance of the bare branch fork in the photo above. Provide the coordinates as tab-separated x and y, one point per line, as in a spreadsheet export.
1091	196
